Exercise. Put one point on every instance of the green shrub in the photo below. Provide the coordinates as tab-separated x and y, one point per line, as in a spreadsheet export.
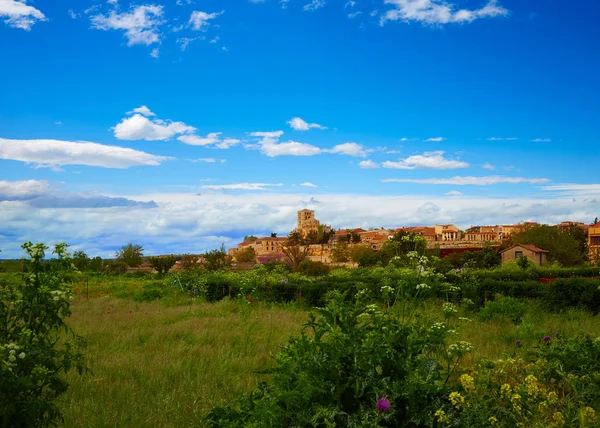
32	360
349	363
504	307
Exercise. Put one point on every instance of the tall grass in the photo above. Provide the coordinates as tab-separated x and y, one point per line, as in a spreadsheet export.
168	362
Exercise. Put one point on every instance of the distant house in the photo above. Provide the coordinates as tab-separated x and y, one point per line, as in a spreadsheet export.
594	242
533	253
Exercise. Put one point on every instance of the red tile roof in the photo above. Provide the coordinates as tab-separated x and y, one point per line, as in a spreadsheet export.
529	247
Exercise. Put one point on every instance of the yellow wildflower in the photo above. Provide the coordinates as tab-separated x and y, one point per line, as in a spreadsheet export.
492	420
441	416
543	407
515	400
467	382
558	418
456	399
588	415
531	384
552	397
505	389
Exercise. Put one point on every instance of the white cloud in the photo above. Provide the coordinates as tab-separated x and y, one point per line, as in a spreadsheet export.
501	139
308	184
453	193
210	160
434	139
23	189
350	4
56	152
439	12
189	222
212	139
183	2
403	139
541	140
58	122
314	5
488	166
138	127
18	14
368	164
72	14
141	24
350	149
155	53
241	186
143	110
299	124
200	21
354	14
185	42
575	189
428	160
289	148
469	181
269	145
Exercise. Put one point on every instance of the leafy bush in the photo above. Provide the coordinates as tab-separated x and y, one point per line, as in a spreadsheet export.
32	359
504	307
310	268
162	265
352	366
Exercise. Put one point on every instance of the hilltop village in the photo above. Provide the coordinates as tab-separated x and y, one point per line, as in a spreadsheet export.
321	239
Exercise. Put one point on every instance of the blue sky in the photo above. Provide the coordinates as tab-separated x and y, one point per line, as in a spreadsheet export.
180	125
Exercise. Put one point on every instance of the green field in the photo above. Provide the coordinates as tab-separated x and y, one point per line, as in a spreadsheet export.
168	362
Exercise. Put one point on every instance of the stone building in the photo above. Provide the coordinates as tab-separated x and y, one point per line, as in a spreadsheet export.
483	233
308	223
533	253
594	243
447	232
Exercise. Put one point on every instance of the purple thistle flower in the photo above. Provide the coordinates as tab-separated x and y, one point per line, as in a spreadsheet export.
546	338
518	342
557	334
383	405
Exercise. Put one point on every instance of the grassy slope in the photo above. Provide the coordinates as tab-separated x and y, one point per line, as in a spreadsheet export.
168	363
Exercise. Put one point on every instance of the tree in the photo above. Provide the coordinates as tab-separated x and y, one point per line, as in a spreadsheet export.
250	238
400	245
340	252
356	252
35	352
296	249
81	260
191	261
565	248
95	264
162	265
131	255
487	258
215	260
246	255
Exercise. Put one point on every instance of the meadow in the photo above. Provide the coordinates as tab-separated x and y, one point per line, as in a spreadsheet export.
160	357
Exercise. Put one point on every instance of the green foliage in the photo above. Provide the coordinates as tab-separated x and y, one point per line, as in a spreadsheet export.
81	260
118	267
488	258
246	255
504	307
131	255
310	268
162	265
567	248
347	358
95	264
215	260
400	245
32	360
250	238
340	252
